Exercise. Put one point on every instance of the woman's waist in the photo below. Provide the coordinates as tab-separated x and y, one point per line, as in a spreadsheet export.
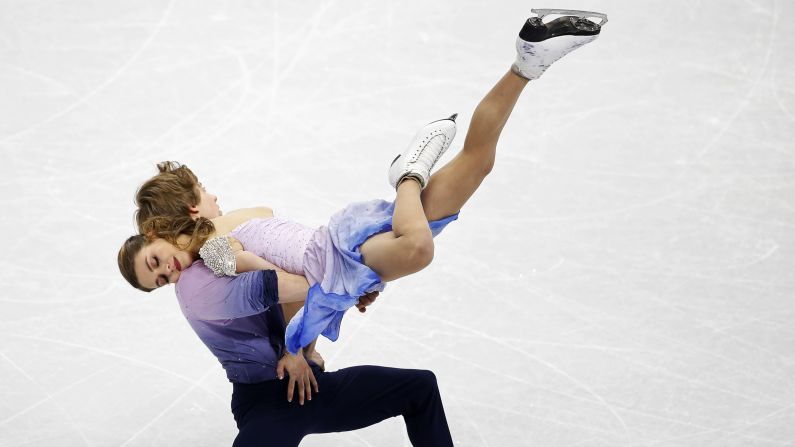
314	256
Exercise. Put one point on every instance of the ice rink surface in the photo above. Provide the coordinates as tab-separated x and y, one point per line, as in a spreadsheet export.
623	278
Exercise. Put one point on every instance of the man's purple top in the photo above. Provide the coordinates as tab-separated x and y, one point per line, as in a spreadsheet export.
237	318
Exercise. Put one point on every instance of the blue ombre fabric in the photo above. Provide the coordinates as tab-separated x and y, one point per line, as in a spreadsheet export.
333	266
236	318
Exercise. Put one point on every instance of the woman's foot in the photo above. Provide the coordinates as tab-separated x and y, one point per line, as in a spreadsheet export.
540	44
424	151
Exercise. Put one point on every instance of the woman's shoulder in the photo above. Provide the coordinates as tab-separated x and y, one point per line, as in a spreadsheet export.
228	222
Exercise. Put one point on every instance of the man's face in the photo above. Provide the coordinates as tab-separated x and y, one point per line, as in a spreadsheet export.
207	206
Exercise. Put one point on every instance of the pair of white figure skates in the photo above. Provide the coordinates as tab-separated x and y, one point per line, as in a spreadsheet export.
539	45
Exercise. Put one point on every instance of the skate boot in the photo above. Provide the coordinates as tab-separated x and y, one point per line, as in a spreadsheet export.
424	151
540	44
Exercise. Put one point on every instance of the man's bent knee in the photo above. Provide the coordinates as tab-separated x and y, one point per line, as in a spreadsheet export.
427	378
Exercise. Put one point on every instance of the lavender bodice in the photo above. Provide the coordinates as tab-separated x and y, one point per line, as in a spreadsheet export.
280	241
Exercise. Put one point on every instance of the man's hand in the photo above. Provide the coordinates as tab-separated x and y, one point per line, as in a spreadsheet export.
300	375
366	300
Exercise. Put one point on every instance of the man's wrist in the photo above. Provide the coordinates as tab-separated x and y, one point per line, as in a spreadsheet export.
299	353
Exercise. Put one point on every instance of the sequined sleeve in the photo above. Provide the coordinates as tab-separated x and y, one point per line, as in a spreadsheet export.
217	255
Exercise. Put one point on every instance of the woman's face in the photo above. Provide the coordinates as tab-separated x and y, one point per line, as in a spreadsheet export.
160	263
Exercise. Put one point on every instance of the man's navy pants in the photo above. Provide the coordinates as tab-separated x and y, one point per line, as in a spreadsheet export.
349	399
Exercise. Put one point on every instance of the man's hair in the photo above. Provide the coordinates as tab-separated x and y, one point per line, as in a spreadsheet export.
170	193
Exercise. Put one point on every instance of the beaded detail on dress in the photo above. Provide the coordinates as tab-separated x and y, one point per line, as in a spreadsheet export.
280	241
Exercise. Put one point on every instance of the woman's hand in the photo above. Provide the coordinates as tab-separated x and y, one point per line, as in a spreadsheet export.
300	375
315	357
366	300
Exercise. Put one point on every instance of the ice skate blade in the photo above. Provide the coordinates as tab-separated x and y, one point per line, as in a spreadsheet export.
571	12
450	118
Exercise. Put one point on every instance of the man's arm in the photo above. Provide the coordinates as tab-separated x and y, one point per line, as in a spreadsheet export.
292	288
290	309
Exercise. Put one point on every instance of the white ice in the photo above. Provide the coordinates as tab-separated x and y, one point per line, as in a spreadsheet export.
624	277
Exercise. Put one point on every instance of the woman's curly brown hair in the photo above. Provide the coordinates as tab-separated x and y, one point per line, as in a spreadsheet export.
168	228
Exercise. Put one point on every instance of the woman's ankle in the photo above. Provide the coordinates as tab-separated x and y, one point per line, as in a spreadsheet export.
410	180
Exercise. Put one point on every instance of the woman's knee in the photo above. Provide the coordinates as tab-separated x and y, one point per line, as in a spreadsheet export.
420	249
486	167
478	160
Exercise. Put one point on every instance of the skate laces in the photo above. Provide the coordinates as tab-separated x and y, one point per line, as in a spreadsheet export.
426	155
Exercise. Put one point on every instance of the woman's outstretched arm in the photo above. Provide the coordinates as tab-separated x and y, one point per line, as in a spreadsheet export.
292	288
246	261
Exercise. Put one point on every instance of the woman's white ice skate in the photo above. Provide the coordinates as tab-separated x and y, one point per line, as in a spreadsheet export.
424	151
540	44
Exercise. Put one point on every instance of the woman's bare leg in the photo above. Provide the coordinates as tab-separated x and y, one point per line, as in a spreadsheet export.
408	248
452	185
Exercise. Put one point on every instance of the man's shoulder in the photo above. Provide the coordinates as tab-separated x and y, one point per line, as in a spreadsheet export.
195	271
195	277
211	297
199	280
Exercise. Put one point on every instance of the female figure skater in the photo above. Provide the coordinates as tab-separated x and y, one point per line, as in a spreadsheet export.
366	244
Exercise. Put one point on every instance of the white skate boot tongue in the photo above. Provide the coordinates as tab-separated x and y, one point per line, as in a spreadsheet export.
423	152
